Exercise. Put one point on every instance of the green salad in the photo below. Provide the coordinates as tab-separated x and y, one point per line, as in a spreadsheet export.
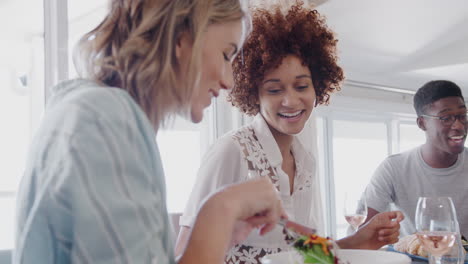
316	249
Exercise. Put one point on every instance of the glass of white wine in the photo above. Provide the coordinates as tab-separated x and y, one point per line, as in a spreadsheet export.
355	210
436	226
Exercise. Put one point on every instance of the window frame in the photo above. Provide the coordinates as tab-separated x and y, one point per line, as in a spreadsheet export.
55	43
44	51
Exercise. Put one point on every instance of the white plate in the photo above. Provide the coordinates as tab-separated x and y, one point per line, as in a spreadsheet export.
351	256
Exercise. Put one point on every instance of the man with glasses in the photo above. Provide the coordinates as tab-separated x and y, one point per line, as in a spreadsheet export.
439	167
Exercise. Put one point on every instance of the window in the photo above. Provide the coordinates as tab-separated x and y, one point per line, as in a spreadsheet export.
358	148
83	16
21	98
410	136
182	147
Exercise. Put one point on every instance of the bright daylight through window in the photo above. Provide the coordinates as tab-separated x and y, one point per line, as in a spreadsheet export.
354	142
21	98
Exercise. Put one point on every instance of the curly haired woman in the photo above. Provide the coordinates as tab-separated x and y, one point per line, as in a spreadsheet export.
288	65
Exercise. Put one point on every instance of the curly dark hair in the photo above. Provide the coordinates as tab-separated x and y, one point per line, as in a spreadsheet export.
301	32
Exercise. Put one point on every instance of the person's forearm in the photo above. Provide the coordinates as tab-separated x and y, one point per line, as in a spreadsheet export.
210	235
371	212
349	242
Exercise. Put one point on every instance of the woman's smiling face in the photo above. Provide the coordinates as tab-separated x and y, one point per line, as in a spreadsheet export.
287	96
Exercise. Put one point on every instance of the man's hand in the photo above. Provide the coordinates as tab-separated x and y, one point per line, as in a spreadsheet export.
381	230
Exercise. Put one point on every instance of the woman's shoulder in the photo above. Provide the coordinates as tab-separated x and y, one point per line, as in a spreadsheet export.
89	95
226	143
84	100
237	137
243	134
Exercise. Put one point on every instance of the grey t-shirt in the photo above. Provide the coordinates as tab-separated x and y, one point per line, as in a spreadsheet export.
402	178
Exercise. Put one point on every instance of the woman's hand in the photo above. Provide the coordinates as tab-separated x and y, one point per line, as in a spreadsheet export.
228	216
255	204
266	216
381	230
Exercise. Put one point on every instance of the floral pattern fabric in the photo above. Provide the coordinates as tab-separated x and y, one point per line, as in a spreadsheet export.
242	254
248	153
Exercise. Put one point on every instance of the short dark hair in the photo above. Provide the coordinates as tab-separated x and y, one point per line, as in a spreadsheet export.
433	91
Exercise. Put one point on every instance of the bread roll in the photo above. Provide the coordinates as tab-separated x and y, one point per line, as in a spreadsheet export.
402	244
410	244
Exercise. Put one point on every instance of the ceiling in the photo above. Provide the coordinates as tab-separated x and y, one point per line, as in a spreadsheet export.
401	43
398	43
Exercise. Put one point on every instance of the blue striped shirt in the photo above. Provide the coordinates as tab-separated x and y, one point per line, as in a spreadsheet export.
93	190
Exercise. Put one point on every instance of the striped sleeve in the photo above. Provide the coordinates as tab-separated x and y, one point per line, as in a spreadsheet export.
93	189
119	211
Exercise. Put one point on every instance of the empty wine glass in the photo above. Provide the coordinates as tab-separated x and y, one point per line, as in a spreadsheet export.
355	210
436	226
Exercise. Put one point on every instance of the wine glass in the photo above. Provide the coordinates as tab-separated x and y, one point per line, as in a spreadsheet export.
355	210
436	226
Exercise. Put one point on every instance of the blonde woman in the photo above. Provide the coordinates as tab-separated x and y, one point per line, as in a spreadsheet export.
93	189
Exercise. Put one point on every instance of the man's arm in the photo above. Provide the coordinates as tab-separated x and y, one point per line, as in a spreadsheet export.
380	191
370	213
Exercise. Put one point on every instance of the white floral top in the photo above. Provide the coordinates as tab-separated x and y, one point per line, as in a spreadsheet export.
251	152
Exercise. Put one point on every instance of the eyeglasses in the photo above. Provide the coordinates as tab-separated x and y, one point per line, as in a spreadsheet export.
448	120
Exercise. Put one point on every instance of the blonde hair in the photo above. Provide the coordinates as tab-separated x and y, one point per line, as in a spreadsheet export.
134	49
